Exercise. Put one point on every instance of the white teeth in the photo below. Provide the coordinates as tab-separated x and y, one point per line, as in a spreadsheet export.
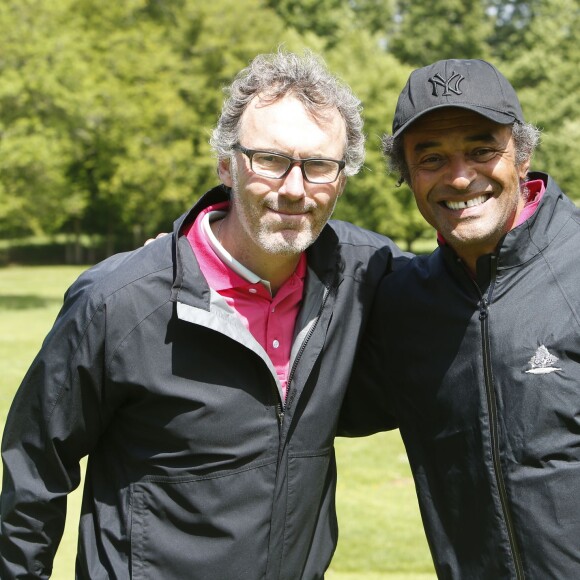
465	204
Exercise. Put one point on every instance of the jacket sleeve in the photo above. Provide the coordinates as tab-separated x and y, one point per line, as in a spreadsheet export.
53	422
367	407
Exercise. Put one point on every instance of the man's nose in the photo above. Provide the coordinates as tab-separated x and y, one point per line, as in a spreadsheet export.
293	185
461	172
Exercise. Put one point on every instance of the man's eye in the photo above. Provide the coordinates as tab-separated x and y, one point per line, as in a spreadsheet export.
268	159
431	162
484	154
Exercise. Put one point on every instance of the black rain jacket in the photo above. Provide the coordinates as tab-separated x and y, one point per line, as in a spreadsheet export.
483	377
196	470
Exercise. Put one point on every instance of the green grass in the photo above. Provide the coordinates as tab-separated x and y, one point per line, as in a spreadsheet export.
380	526
381	536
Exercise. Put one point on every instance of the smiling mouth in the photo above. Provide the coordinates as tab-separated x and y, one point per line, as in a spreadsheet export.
465	204
289	215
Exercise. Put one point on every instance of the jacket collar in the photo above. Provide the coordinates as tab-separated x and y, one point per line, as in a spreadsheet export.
189	285
531	237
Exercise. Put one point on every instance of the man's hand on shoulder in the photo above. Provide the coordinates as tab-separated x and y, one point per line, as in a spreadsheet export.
148	241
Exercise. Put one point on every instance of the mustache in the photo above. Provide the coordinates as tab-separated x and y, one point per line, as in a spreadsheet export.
286	206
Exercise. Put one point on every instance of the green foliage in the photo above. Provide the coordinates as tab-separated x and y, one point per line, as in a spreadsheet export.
374	16
105	126
368	196
372	199
559	151
324	18
431	31
105	114
544	71
511	19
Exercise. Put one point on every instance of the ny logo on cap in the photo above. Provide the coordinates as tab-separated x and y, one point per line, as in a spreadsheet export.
446	84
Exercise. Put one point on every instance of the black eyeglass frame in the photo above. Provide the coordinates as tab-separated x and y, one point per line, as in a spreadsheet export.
249	153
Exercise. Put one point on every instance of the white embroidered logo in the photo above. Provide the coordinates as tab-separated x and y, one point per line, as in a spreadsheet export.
542	362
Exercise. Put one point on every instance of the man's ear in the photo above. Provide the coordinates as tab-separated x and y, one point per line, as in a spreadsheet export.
342	183
523	169
224	171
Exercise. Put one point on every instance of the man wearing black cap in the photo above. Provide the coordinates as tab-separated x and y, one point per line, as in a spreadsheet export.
477	345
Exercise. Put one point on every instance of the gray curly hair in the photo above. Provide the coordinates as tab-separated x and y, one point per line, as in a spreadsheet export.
272	76
526	138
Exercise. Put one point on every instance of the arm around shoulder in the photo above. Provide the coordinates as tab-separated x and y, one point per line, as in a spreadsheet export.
367	407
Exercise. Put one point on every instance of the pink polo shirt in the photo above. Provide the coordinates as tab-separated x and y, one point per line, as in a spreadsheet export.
536	189
270	319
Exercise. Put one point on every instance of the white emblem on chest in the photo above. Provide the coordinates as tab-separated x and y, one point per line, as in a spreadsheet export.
542	362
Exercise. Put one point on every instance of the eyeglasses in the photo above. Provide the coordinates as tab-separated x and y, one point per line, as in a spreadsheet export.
277	166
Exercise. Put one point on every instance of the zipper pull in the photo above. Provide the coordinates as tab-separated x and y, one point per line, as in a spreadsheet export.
483	309
280	413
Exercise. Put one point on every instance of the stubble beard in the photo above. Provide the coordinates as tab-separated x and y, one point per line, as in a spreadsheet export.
268	235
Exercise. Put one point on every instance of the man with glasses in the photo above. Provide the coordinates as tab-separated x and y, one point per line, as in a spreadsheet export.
277	166
203	374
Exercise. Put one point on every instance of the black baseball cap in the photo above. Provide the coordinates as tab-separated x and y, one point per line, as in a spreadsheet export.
468	84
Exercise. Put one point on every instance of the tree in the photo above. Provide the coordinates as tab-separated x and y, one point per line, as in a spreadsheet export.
105	115
325	19
35	109
544	73
511	20
430	31
108	112
371	199
375	17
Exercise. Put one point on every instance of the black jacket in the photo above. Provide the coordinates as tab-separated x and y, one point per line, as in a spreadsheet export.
484	379
195	471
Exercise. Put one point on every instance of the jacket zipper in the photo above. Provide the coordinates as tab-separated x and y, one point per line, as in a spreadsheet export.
280	412
493	419
280	407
